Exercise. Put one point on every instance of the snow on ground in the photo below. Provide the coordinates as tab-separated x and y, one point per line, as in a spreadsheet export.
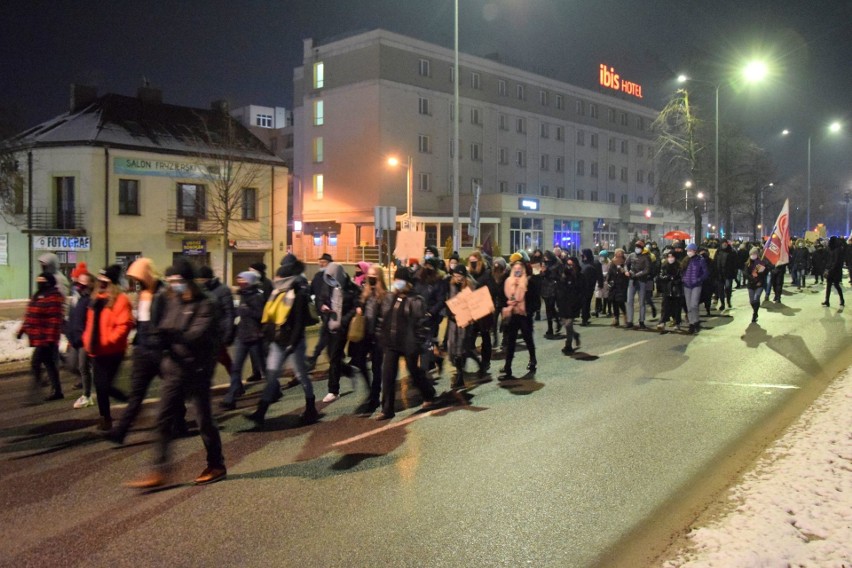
11	348
794	508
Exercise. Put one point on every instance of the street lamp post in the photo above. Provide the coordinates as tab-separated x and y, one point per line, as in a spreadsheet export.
762	189
848	196
409	198
456	117
833	127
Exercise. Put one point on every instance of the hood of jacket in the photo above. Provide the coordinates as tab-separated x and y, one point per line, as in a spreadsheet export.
142	269
50	262
336	271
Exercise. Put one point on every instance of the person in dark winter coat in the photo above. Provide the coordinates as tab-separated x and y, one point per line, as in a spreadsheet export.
287	313
460	346
75	326
695	273
188	328
369	306
43	322
638	270
249	335
819	260
403	328
834	270
618	282
431	285
481	275
726	268
799	260
671	289
571	301
212	285
590	270
549	281
337	303
755	273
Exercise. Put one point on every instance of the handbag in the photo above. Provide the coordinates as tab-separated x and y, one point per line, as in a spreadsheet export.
356	329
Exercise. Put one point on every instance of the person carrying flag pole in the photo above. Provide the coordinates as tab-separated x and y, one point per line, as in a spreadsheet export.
776	251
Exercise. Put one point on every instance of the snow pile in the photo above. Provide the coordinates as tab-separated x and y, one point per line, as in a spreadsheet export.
795	507
11	348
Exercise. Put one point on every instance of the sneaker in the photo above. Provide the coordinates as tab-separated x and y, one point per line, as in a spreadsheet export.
148	481
84	402
330	397
211	475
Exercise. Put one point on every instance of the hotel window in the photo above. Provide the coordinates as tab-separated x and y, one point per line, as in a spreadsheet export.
474	183
520	92
452	74
560	133
521	160
545	130
640	150
639	199
545	191
318	150
624	199
423	144
612	172
581	138
593	110
192	202
594	195
424	182
452	111
560	102
319	75
624	174
423	105
453	148
581	195
650	201
318	186
504	122
475	116
476	152
521	188
640	176
544	162
501	87
611	144
581	167
424	69
650	178
640	123
263	120
560	164
542	97
504	186
521	125
475	81
594	141
319	113
623	119
249	204
560	193
581	107
611	114
128	197
504	156
593	170
624	146
612	198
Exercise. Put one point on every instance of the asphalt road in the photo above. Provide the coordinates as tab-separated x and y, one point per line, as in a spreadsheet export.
596	461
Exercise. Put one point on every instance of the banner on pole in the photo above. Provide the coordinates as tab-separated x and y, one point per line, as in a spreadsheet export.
777	247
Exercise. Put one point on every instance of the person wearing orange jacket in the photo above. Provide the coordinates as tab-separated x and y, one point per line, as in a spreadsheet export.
108	324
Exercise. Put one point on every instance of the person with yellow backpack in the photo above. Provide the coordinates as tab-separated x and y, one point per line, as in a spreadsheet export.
285	316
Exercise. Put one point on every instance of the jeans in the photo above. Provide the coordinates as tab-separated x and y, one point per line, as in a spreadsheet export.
253	349
83	366
693	300
105	369
275	361
636	287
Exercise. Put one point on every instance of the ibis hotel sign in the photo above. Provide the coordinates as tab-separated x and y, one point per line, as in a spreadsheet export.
612	80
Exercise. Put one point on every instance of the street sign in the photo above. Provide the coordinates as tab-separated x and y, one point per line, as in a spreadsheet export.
384	218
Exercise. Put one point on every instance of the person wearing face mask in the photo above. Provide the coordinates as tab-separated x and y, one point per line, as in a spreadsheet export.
671	289
799	256
75	326
431	285
188	330
108	325
834	270
516	316
43	321
727	267
318	291
755	274
603	305
570	298
695	272
337	307
638	270
459	345
590	271
550	278
481	275
288	314
225	300
372	295
618	282
249	335
499	273
402	329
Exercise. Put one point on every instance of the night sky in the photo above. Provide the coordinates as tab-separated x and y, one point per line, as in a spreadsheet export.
245	51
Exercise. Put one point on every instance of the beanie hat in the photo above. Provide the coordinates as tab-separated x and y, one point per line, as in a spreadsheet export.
402	273
249	276
640	243
205	272
258	266
515	257
459	269
692	246
111	273
181	268
500	261
290	266
434	262
604	253
81	268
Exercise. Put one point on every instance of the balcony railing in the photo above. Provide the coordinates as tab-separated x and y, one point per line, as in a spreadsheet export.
46	219
177	224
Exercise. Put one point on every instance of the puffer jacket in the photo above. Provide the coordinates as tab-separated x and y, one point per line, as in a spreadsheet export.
250	312
695	271
114	325
402	323
639	266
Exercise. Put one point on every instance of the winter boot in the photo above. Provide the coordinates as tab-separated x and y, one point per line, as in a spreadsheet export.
577	339
568	350
533	365
259	415
457	381
310	415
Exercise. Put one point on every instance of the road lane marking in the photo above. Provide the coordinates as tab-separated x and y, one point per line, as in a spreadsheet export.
632	345
752	385
385	428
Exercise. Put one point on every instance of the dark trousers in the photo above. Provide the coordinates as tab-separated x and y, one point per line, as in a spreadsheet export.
145	366
390	368
180	383
550	312
618	308
45	355
522	323
829	282
324	337
105	368
482	328
587	307
671	309
777	284
336	347
369	347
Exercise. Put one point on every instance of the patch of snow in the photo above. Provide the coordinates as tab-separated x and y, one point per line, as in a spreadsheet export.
12	348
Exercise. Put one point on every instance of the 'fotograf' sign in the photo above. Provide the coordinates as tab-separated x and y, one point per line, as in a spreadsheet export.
157	167
610	79
59	243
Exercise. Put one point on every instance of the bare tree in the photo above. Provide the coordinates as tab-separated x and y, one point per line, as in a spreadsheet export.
11	188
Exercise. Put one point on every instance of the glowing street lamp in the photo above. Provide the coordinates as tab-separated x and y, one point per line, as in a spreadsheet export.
393	161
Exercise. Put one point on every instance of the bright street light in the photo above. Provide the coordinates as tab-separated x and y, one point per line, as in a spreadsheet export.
700	195
834	127
755	71
393	161
785	132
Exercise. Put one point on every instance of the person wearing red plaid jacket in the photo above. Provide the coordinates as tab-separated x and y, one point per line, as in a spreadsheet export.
43	322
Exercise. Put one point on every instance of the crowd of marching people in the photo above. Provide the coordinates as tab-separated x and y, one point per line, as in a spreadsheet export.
180	325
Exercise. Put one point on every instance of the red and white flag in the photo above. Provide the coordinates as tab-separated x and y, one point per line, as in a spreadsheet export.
777	247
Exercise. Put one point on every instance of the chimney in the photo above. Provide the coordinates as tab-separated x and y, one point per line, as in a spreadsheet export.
222	106
81	95
150	95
